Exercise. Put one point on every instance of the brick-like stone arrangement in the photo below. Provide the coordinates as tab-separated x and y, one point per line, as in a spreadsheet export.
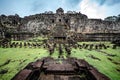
59	69
45	23
8	44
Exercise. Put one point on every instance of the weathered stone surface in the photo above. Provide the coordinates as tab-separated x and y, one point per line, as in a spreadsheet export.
60	69
75	20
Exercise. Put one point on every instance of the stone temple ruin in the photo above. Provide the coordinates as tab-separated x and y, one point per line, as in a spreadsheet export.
75	23
63	31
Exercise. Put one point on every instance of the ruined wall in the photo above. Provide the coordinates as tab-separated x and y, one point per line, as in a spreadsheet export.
47	21
100	26
77	22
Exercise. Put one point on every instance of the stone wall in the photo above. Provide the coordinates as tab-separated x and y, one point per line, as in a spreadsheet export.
77	22
20	36
100	26
102	36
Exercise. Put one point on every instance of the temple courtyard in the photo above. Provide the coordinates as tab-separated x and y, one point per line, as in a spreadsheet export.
16	55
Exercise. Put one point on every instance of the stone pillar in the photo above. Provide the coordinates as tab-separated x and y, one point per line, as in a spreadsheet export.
11	37
0	34
20	36
15	37
3	35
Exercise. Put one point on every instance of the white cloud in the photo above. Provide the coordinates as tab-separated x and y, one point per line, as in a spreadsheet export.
113	10
92	9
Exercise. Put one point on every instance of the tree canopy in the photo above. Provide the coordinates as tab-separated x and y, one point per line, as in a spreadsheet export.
112	18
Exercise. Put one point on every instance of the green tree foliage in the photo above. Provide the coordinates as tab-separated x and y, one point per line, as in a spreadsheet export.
118	18
112	18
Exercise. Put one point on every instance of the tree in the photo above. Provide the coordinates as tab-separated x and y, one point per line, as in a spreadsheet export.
111	18
118	18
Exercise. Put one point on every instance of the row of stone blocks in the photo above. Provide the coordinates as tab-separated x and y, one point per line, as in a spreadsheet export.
19	44
95	46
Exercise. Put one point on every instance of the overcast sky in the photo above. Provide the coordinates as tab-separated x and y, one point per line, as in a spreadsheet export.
92	8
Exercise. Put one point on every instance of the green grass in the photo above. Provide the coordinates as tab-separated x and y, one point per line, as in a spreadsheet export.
104	66
20	57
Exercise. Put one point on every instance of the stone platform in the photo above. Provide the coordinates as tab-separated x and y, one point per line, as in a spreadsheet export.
59	69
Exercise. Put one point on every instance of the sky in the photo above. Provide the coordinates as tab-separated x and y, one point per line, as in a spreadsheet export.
92	8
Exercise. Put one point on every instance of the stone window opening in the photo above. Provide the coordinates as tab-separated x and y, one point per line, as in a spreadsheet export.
66	20
53	21
59	20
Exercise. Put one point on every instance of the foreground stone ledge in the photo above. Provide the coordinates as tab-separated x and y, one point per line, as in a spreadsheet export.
59	69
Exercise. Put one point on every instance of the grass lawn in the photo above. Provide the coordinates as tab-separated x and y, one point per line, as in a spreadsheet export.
105	66
20	57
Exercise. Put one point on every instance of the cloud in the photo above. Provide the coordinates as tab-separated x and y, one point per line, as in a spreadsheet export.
112	2
113	10
101	2
72	3
107	2
92	9
42	5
